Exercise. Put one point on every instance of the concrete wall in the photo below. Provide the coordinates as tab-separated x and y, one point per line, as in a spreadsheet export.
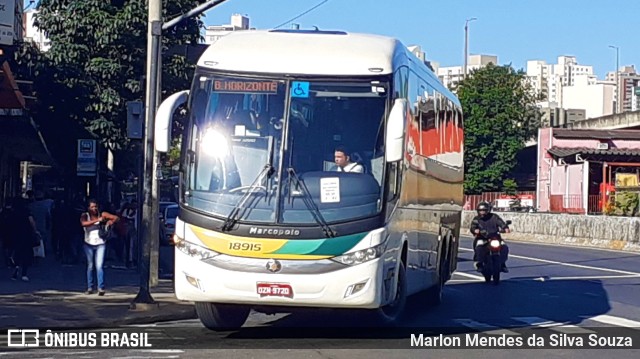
617	121
620	233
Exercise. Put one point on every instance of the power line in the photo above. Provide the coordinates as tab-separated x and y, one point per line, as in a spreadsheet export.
302	14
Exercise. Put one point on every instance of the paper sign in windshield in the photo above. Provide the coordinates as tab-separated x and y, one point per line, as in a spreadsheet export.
330	190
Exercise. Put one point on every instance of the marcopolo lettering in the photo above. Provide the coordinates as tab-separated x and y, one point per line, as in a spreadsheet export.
274	231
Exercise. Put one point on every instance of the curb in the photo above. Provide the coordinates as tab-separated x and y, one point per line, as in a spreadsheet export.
163	314
160	314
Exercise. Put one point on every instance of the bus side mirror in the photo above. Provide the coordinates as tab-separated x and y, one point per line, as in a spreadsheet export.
164	119
395	131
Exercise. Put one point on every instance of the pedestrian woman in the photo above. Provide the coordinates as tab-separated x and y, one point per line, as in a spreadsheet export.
94	246
23	236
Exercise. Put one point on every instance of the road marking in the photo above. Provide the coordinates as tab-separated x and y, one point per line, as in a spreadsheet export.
145	357
472	276
563	245
618	321
557	326
568	264
592	294
491	329
542	279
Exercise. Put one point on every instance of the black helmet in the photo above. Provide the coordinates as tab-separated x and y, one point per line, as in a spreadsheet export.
483	206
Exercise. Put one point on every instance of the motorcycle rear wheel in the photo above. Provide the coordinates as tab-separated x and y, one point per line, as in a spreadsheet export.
496	267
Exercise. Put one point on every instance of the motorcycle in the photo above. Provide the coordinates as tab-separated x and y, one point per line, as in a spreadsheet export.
492	261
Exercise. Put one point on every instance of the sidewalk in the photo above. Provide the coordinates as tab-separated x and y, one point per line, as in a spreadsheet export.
54	297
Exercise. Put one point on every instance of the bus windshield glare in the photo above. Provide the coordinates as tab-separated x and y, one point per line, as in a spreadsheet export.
262	150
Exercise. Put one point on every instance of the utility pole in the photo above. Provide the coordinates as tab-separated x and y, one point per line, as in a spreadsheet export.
149	220
617	95
466	44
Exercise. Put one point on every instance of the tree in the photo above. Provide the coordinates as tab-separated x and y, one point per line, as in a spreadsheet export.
500	115
97	59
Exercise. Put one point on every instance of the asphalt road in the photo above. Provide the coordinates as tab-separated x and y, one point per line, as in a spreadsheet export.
566	291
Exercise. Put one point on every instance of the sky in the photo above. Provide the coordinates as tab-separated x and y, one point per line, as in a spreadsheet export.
513	30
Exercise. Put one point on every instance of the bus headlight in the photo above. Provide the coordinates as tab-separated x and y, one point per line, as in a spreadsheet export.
193	250
361	256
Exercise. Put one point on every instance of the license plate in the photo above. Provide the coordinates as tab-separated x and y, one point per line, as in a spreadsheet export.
274	290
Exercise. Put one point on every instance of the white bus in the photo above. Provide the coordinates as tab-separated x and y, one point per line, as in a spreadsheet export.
267	223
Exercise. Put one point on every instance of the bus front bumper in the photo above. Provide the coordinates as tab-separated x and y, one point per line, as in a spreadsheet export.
358	286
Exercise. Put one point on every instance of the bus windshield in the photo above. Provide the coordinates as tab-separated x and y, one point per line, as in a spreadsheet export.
263	150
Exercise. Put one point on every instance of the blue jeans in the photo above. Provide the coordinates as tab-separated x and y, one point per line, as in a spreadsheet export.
98	251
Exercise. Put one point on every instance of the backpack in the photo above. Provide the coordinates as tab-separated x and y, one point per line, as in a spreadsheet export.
105	231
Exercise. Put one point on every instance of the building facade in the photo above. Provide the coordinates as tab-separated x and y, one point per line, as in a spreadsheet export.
595	97
578	171
214	32
628	83
450	76
554	116
20	140
550	79
34	34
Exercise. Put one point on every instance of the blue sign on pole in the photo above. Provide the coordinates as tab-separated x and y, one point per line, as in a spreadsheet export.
87	161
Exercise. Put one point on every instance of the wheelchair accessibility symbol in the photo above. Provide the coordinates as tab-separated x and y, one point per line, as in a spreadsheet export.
300	89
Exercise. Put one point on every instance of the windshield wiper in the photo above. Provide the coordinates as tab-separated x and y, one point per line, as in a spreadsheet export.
308	201
234	216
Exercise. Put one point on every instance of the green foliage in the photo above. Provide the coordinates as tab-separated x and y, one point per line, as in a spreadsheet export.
97	60
509	186
626	204
500	116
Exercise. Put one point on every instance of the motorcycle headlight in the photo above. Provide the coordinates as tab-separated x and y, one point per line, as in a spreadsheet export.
193	250
494	243
361	256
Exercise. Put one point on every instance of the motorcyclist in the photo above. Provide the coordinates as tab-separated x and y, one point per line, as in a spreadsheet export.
492	223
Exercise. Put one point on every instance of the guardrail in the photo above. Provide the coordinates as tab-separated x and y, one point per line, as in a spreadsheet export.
472	200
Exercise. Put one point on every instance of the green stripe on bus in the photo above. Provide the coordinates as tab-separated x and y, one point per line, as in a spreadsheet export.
321	247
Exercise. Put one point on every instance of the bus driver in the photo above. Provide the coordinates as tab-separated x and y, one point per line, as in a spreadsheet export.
343	162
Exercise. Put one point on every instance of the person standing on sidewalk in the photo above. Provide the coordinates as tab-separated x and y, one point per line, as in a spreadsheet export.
94	246
130	214
23	236
5	240
41	211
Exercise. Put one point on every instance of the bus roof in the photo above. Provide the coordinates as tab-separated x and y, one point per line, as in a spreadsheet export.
312	52
301	52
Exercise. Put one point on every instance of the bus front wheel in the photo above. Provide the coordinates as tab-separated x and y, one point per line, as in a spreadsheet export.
221	317
392	312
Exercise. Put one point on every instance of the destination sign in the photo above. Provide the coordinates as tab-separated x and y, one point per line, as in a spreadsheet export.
245	86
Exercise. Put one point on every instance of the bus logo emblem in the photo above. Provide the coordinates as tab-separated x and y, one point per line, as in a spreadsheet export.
274	266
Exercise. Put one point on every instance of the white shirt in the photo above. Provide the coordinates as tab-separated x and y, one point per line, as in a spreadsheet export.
351	167
91	233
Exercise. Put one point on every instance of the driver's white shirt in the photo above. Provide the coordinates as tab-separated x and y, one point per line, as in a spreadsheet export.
351	167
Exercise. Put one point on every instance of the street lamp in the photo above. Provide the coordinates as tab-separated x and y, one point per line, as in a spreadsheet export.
466	43
617	96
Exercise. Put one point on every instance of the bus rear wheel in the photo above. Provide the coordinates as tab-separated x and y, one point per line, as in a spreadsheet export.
222	317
